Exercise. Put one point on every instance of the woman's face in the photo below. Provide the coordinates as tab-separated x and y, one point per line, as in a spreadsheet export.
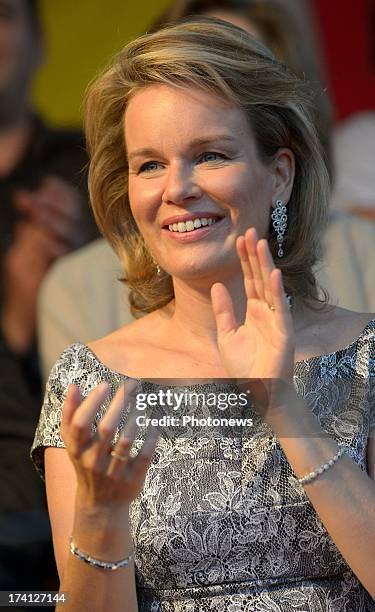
194	168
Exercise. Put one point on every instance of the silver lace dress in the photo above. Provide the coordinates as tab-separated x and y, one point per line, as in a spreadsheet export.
222	523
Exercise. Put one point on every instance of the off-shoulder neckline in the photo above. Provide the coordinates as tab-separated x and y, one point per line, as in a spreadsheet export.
368	326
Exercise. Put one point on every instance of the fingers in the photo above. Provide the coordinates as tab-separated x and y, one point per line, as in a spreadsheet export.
246	268
36	241
105	475
61	227
78	419
53	194
55	206
257	265
266	267
121	452
251	240
108	424
278	294
223	310
142	461
113	416
71	403
122	464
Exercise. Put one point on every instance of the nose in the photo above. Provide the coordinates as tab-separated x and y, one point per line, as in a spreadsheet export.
180	185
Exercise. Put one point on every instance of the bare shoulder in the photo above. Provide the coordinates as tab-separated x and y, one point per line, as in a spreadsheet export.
354	323
329	331
120	348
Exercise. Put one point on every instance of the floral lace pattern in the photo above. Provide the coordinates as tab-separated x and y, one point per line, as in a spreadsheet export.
222	522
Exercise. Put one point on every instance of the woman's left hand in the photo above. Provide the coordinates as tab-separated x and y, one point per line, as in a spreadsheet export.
263	347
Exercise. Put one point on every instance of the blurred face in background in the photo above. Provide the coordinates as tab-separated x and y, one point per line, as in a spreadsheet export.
238	20
20	56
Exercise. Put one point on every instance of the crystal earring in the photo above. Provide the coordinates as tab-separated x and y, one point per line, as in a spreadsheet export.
279	222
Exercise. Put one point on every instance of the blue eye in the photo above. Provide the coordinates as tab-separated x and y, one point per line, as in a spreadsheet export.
149	166
211	156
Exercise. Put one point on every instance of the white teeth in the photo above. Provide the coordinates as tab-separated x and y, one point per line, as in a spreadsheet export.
189	226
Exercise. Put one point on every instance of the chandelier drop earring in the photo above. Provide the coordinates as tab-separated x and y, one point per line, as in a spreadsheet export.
279	221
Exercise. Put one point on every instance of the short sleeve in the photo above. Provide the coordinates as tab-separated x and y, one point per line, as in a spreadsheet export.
48	428
372	384
76	365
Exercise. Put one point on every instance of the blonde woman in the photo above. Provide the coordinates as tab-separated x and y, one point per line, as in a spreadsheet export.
207	178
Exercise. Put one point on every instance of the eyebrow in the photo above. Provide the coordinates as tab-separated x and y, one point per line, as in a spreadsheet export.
194	143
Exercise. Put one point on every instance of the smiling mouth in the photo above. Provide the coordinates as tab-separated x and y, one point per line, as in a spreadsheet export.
189	226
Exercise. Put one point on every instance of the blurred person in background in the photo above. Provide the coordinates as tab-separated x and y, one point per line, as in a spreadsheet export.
354	158
349	266
44	212
26	554
354	152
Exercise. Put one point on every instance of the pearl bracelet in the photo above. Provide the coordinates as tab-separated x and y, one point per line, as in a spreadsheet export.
107	565
323	468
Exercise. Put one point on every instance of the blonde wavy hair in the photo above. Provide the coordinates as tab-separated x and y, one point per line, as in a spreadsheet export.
220	58
279	31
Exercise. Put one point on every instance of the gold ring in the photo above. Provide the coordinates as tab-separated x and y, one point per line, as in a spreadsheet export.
117	456
272	307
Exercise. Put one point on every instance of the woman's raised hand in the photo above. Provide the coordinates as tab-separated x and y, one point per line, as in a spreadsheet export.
107	477
263	346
